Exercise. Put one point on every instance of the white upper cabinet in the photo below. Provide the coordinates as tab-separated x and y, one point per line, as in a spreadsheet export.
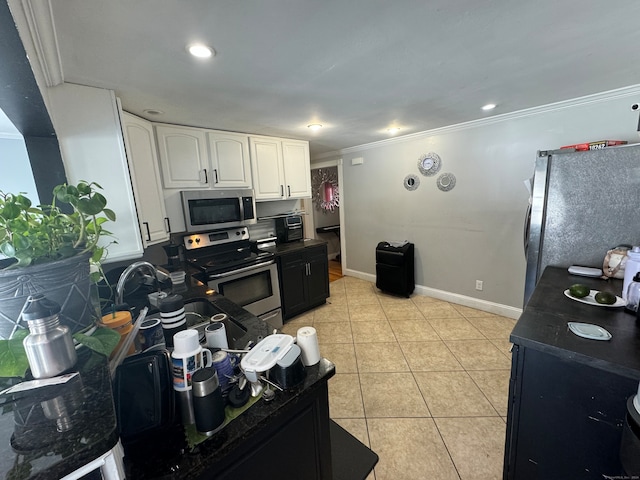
230	162
281	168
297	169
145	175
183	156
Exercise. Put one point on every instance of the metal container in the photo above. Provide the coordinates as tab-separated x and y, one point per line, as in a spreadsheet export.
49	346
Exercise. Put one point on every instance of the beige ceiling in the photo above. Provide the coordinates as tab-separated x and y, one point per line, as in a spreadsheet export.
355	66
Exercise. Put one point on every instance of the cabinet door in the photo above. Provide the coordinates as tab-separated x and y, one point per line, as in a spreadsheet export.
230	162
145	175
266	166
318	276
297	170
293	278
183	156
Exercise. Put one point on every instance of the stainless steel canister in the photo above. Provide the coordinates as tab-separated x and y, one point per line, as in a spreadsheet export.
49	346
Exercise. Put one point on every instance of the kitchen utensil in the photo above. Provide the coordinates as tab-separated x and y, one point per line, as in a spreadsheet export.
173	317
208	406
289	371
587	330
150	334
216	333
265	355
307	340
187	357
49	346
590	299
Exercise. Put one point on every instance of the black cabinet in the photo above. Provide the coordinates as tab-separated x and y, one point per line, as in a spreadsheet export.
567	394
565	418
304	279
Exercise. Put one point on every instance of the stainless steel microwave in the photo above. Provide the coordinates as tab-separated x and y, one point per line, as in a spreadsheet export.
212	209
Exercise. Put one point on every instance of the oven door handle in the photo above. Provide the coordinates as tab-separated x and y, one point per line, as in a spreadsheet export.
241	270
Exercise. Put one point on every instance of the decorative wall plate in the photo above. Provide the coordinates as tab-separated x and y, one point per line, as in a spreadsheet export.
429	164
411	182
446	181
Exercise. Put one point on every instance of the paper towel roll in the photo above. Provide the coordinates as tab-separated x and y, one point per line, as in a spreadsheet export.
307	340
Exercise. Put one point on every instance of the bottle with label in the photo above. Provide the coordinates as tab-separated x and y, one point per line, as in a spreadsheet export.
631	268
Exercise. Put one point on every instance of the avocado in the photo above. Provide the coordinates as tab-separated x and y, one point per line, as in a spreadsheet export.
605	298
578	290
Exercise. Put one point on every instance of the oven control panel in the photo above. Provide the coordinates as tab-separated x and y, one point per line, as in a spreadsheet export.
217	237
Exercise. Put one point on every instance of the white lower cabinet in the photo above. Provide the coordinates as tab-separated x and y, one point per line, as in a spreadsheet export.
281	168
145	175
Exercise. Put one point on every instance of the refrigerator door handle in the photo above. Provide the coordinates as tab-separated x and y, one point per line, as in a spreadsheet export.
525	233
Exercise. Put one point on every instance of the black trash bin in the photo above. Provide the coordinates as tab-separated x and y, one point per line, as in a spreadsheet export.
394	268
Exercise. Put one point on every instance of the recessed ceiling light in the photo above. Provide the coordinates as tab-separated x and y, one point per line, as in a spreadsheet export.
201	51
153	111
489	106
314	126
393	130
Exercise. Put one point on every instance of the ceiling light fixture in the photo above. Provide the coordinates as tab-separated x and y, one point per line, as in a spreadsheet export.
153	111
393	130
200	50
314	126
489	106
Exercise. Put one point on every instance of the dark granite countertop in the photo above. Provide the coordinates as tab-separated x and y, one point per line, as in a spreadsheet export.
543	325
52	431
283	248
185	464
176	460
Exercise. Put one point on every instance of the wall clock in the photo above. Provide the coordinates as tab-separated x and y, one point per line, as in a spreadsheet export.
446	182
429	164
411	182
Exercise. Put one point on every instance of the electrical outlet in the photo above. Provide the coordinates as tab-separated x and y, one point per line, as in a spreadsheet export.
478	284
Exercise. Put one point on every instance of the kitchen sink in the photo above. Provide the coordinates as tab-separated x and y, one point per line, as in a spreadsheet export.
199	312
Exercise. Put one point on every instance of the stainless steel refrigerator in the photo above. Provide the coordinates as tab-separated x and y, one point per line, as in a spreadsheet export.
582	204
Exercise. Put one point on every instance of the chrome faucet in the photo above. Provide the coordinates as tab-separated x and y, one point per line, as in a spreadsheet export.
131	269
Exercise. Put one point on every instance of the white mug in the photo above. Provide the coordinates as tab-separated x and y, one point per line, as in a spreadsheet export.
187	357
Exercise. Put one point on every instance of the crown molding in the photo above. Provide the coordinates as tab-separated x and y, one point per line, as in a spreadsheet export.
39	18
551	107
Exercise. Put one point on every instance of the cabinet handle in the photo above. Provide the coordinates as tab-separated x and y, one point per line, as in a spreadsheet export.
289	189
146	224
215	175
167	224
308	269
282	190
206	178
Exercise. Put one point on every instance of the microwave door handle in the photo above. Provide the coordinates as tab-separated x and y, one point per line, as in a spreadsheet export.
240	270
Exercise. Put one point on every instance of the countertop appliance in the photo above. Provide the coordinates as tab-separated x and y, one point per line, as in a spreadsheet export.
245	275
289	229
582	204
210	209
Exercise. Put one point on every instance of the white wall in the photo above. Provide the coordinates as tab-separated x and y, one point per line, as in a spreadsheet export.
475	231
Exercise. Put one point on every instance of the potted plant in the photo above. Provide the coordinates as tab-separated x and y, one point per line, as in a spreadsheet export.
50	251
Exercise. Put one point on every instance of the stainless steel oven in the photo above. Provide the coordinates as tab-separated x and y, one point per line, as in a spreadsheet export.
254	288
233	268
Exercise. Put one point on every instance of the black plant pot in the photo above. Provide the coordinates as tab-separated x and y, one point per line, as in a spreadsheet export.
65	281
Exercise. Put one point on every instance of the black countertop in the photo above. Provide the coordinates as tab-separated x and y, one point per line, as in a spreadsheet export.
176	460
543	325
283	248
52	431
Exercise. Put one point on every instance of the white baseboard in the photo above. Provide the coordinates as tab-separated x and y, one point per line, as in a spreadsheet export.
479	304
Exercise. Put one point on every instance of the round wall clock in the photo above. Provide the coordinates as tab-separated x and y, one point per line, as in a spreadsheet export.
411	182
429	164
446	182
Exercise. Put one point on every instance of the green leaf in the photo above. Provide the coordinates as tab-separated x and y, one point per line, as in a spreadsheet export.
111	215
93	205
103	340
13	358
